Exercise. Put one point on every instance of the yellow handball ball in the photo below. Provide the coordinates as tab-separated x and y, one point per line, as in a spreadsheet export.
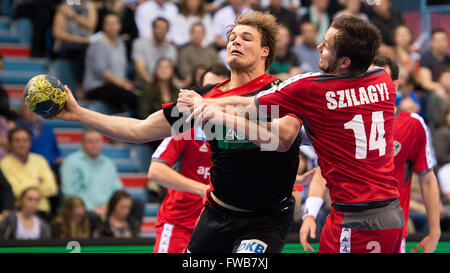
45	95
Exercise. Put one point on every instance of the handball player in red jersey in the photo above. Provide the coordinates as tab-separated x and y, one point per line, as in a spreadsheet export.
412	152
184	200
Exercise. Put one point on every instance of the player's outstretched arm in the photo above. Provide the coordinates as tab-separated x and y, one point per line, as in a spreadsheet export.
430	196
126	129
165	176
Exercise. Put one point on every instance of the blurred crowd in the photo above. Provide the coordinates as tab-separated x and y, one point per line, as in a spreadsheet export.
134	56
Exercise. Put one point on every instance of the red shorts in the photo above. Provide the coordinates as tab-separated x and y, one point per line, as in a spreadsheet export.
171	238
377	230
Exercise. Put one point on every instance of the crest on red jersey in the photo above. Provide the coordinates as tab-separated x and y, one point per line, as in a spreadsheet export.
397	147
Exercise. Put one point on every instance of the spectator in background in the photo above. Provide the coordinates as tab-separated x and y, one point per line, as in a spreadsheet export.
106	68
285	63
24	169
92	176
6	197
353	8
147	51
149	11
125	12
216	73
224	18
193	12
386	20
73	26
436	104
404	55
4	129
161	90
307	53
433	61
119	223
5	110
284	17
441	141
73	221
317	14
43	139
25	224
40	13
195	54
196	76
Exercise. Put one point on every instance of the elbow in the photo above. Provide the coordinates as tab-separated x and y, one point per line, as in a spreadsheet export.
285	142
154	172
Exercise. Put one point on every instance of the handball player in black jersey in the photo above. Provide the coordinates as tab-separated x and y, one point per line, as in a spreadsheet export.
249	207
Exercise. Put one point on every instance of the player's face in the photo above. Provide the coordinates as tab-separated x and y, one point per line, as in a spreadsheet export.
244	48
328	60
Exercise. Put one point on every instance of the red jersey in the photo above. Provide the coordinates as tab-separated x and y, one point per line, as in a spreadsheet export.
179	207
350	122
412	152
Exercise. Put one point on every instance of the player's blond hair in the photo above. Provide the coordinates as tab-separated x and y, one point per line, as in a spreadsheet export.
267	27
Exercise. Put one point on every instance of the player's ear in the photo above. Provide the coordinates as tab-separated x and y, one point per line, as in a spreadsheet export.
265	51
344	63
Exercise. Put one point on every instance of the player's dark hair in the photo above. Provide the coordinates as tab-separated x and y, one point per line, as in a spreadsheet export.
160	19
358	40
386	61
15	130
217	69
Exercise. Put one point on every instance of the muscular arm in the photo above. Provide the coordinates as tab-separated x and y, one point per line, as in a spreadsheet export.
277	135
132	130
165	176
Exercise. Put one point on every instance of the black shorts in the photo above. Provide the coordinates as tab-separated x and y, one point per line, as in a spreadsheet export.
220	230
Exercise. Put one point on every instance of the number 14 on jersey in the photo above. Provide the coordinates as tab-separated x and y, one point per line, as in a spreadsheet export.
376	137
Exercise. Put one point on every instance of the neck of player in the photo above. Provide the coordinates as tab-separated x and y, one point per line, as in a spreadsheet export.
239	78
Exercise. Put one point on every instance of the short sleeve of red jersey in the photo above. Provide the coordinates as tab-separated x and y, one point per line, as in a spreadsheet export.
285	98
171	148
423	160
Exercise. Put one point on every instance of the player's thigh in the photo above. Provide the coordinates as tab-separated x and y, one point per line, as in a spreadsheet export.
212	233
171	238
263	234
374	230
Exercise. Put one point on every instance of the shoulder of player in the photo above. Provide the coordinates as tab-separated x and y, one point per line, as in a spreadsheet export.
297	79
413	120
